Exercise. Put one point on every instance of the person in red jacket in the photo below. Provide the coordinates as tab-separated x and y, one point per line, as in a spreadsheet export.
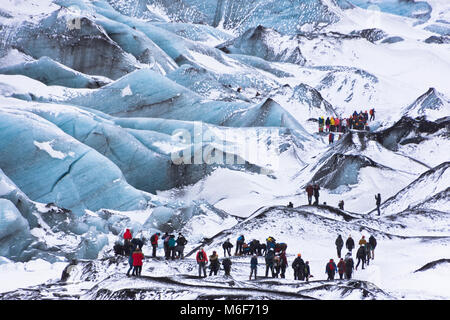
202	260
138	256
341	268
154	240
127	236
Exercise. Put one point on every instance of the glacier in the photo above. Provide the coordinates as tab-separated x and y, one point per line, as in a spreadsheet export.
201	118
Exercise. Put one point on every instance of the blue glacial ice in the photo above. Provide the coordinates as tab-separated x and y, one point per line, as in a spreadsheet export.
54	167
86	48
50	72
241	15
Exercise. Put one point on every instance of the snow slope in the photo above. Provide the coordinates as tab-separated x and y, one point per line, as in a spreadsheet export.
201	117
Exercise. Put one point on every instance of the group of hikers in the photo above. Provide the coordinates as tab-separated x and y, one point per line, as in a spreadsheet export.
345	266
132	248
274	254
357	121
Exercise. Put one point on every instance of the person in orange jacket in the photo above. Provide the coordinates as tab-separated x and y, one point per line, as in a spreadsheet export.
202	260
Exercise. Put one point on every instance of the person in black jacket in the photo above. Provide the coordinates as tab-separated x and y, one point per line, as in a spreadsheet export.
299	268
254	246
227	245
180	243
373	244
350	244
307	271
378	202
339	244
137	243
316	189
214	263
349	265
227	266
361	256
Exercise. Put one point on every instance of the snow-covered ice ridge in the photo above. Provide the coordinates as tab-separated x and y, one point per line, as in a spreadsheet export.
201	117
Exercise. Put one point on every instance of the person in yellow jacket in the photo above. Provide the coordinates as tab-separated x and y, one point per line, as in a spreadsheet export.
363	241
332	124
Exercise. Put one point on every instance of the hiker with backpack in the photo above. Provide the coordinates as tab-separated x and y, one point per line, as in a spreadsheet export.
179	248
214	263
253	246
227	245
271	243
202	259
253	266
339	244
330	269
361	256
372	114
239	245
309	191
227	266
299	267
349	265
154	241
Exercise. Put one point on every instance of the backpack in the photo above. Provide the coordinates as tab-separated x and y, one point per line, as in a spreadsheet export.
330	266
152	239
200	255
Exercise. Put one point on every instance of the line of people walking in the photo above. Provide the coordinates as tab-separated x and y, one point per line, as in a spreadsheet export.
345	266
274	254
